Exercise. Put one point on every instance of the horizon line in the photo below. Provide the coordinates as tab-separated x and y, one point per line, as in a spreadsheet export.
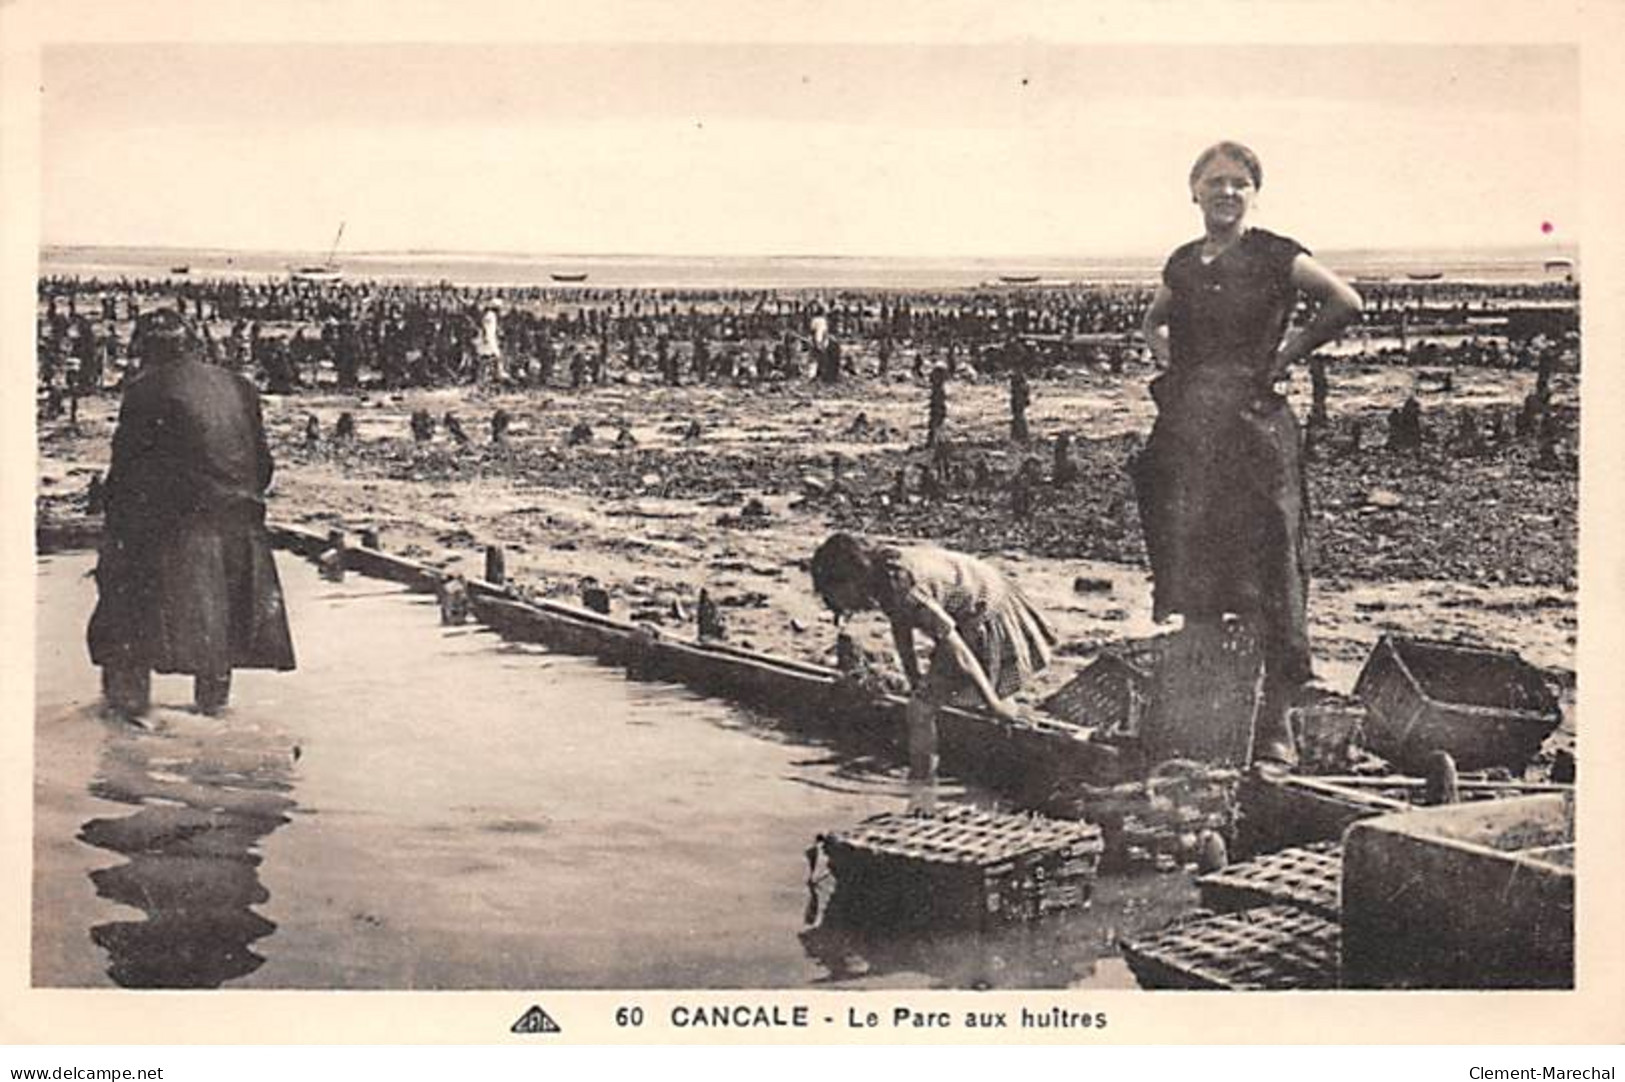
1530	246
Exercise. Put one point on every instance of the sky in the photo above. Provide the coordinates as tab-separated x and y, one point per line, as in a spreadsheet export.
881	149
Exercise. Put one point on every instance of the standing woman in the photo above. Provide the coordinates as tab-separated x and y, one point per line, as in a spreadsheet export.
186	581
1220	483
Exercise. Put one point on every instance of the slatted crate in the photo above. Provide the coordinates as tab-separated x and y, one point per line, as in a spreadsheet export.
960	867
1112	692
1307	877
1189	694
1271	948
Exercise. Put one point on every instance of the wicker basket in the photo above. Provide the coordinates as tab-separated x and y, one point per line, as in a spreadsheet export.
1327	733
1204	696
1111	694
1485	707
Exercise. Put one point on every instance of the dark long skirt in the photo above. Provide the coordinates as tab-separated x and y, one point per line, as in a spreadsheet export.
201	598
1222	500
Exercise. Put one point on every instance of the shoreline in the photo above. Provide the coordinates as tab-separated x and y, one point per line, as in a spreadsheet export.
518	270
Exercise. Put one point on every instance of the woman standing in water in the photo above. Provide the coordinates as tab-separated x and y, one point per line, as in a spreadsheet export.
186	582
1220	482
989	639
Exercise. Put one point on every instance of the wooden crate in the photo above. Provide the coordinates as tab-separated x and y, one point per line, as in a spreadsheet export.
1189	694
1486	707
1298	810
959	867
1471	895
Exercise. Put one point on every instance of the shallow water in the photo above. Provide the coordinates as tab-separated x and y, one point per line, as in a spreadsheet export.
428	807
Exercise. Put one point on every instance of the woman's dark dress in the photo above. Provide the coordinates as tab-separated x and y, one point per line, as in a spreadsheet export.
1220	482
186	578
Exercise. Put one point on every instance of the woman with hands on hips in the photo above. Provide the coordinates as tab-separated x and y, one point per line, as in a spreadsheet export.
1220	482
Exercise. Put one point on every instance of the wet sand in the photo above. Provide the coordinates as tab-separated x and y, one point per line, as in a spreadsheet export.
1478	547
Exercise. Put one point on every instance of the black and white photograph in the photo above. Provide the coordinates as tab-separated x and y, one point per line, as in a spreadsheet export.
969	512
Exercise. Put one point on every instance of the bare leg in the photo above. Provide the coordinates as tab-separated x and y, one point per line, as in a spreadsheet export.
922	797
922	739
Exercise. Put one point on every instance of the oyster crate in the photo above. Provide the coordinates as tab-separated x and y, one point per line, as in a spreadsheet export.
1306	877
1164	814
1188	694
1326	733
961	867
1270	948
1485	707
1205	689
1299	809
1111	693
1472	895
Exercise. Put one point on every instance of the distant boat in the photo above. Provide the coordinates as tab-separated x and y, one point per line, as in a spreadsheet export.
1019	279
1565	267
1425	276
182	269
315	273
568	276
321	272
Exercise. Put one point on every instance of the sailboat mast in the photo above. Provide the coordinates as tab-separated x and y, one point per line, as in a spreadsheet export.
336	238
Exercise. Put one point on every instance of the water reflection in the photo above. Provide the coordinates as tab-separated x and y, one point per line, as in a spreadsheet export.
477	829
854	941
207	791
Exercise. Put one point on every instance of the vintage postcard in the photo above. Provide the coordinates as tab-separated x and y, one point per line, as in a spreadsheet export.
1077	524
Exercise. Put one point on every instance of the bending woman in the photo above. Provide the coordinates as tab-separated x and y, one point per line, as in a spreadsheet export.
1220	483
989	639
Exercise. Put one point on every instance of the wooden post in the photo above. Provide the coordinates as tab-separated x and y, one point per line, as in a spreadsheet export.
331	561
1439	776
496	566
